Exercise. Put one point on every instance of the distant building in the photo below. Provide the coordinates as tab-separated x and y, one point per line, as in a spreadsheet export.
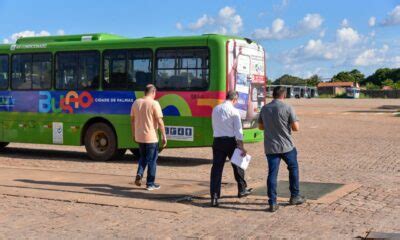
387	88
335	88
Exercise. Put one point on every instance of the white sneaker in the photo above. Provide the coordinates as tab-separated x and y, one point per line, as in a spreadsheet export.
153	187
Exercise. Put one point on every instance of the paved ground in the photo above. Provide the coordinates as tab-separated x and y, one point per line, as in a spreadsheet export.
342	141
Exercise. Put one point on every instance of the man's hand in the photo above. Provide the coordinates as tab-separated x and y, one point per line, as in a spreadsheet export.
244	152
295	126
163	134
133	127
164	142
240	145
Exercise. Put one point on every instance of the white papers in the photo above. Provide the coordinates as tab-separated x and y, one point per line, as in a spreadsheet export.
238	160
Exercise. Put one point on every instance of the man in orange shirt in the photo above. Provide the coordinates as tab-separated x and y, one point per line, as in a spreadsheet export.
146	119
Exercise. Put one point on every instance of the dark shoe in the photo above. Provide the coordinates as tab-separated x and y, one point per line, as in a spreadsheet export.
214	202
245	193
273	208
138	180
297	200
153	187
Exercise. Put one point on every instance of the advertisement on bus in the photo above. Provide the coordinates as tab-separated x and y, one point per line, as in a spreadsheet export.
246	75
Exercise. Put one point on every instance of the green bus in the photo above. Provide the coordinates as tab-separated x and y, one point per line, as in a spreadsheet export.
78	89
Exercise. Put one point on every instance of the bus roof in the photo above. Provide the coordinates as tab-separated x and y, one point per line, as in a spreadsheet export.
69	38
108	38
109	41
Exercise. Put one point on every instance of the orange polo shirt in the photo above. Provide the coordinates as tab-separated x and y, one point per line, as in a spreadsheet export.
146	112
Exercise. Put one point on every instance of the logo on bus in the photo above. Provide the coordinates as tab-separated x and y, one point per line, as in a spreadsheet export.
7	101
69	103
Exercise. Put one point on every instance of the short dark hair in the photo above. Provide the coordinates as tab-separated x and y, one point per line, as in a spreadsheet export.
150	88
278	92
231	95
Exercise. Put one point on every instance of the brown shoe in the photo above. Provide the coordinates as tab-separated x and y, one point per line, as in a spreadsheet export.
138	180
297	200
273	208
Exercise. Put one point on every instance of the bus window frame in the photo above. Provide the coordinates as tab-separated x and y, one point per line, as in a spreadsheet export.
31	89
207	88
8	71
126	67
77	89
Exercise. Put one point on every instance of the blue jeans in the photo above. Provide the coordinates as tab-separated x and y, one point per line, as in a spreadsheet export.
274	160
148	157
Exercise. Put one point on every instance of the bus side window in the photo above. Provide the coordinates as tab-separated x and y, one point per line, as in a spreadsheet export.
114	73
77	70
66	71
21	72
127	69
3	72
89	67
31	71
41	71
139	69
182	69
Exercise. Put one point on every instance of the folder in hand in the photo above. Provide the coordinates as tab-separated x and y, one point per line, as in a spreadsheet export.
239	160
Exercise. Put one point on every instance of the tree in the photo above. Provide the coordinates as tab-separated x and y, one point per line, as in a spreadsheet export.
396	85
358	76
289	80
313	80
371	86
352	76
388	82
382	74
343	77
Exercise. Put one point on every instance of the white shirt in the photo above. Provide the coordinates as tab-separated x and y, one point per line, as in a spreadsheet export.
226	121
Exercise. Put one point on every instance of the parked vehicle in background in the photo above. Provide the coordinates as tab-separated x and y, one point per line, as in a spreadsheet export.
312	92
300	91
353	92
294	91
289	90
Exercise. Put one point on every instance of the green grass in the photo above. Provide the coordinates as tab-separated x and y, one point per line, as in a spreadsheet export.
363	96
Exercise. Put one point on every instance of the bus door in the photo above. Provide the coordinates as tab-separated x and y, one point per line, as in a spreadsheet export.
246	75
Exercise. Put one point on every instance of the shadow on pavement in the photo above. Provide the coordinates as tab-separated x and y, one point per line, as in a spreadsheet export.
102	190
204	202
392	107
46	154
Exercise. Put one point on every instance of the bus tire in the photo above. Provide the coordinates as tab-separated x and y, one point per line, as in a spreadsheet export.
3	145
101	142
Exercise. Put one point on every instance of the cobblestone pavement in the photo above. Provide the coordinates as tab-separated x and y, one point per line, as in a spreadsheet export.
342	141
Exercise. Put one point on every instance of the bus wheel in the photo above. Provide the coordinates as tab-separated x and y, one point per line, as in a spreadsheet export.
101	142
3	145
135	152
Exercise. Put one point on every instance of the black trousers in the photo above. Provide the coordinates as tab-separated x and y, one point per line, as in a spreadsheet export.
223	148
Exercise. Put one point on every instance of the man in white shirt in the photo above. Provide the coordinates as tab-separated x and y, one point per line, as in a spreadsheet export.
228	135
